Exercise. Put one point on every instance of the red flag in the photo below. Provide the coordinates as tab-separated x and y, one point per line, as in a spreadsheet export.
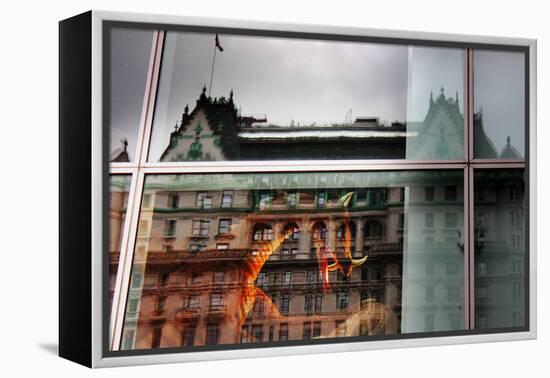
218	43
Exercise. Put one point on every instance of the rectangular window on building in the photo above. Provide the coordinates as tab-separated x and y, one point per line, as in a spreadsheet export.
265	200
244	334
318	302
212	334
308	304
450	193
283	332
227	199
316	329
174	201
188	337
224	226
342	299
257	333
285	303
292	200
170	227
321	199
193	302
287	278
307	331
201	227
219	277
197	247
200	199
261	281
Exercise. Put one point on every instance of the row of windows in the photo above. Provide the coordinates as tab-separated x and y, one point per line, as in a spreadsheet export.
372	197
255	332
263	232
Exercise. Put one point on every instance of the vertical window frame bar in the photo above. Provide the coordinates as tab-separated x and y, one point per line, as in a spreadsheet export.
125	265
156	60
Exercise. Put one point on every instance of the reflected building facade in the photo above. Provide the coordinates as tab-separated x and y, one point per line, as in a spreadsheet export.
246	258
202	276
215	131
500	249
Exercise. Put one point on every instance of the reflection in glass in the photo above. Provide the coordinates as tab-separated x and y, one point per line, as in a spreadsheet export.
119	187
266	260
499	104
500	284
130	52
268	98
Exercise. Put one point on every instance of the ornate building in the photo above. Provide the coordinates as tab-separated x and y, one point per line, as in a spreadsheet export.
246	258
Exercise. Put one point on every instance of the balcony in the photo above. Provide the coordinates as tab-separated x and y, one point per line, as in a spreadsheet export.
158	315
187	314
217	311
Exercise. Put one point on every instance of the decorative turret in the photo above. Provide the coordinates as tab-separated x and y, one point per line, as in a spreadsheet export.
209	132
509	151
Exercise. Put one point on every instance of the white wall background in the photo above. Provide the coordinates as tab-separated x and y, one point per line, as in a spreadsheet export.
28	189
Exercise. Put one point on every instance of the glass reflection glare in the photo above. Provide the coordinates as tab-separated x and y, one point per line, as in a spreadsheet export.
499	104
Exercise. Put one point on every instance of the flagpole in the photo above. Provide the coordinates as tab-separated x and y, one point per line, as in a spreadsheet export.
212	73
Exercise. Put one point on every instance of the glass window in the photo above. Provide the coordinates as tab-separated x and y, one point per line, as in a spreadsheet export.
283	332
246	105
219	277
307	331
223	257
130	51
224	226
397	258
227	199
188	337
200	227
212	334
500	251
499	104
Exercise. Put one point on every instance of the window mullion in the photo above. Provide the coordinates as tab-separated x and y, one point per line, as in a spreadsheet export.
126	261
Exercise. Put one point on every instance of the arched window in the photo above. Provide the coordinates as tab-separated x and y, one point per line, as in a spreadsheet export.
292	232
373	229
341	231
262	232
319	231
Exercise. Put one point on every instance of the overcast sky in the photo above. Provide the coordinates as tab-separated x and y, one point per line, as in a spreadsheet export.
499	89
305	81
130	52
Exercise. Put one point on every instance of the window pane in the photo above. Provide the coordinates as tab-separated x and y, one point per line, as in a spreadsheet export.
119	187
364	267
130	52
500	254
499	104
291	99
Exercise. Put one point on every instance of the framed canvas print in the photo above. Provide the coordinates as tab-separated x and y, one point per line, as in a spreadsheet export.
232	189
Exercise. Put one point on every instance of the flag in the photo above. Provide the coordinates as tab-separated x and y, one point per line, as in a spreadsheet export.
218	43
